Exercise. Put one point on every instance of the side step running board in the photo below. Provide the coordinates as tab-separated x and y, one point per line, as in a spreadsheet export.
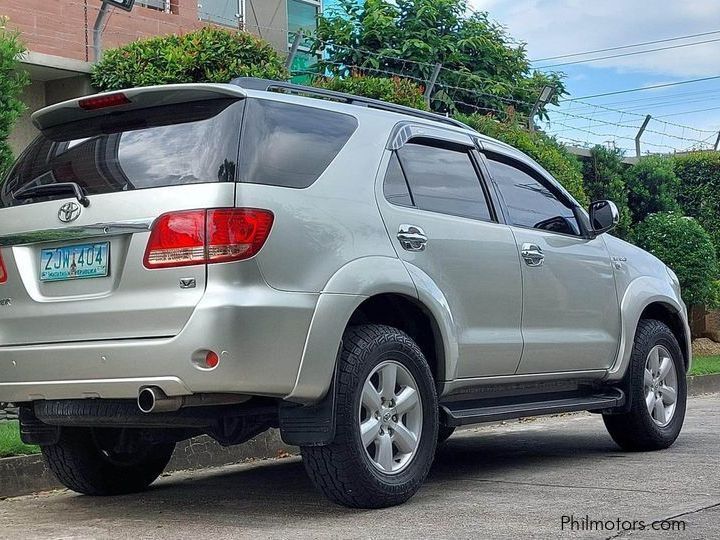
461	413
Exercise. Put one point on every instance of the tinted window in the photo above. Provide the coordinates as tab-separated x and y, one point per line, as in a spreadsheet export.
529	203
443	180
290	145
163	146
395	187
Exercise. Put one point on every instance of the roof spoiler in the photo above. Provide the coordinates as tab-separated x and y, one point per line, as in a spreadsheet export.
126	100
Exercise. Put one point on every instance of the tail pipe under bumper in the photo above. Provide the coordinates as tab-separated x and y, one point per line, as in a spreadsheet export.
152	399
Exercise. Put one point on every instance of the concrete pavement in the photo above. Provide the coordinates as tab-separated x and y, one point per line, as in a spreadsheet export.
511	481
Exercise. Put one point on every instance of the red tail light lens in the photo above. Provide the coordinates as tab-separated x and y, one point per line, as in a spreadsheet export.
236	233
177	239
103	102
3	272
207	236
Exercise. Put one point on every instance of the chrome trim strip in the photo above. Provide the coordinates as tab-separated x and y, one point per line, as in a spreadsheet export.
96	230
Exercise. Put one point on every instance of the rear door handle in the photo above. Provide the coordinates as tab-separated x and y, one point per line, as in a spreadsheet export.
532	254
412	238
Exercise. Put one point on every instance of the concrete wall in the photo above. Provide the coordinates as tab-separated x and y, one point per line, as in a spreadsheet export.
24	132
38	95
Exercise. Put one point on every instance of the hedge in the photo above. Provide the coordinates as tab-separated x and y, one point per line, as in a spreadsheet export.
395	90
12	82
206	55
699	196
682	244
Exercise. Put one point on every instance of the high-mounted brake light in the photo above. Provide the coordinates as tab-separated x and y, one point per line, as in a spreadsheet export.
3	272
103	102
207	236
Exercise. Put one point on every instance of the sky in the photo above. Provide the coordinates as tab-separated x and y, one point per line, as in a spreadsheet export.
684	116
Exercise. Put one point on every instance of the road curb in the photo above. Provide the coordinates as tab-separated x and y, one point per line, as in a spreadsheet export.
703	384
29	474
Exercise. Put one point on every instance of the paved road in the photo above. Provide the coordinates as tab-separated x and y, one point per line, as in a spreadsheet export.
515	480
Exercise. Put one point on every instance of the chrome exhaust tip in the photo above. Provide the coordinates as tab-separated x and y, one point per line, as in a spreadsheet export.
153	400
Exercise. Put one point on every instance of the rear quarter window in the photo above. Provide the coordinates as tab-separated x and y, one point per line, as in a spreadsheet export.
289	145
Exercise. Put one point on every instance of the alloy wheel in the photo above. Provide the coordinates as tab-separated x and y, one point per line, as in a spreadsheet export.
391	417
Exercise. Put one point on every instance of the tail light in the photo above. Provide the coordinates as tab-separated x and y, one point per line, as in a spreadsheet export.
207	236
103	102
3	271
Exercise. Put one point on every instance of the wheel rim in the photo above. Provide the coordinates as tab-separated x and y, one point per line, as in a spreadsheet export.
660	385
391	417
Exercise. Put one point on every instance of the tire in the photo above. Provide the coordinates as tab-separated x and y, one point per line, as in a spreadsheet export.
80	464
359	476
444	433
638	430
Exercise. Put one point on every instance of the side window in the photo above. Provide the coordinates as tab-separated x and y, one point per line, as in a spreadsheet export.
444	180
290	145
529	203
395	187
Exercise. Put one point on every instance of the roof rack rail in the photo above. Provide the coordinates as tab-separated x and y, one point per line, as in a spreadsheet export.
252	83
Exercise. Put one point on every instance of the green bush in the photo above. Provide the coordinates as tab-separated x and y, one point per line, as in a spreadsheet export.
547	151
682	244
12	82
603	179
206	55
699	175
652	187
394	90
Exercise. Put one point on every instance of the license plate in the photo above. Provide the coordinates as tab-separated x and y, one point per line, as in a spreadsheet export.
81	261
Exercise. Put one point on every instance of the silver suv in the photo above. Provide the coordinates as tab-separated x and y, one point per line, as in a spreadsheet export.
224	258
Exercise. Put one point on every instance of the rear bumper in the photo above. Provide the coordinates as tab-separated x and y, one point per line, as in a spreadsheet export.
259	332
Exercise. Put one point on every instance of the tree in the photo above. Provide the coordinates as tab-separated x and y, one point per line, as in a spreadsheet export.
393	90
682	244
603	179
12	82
485	70
652	187
206	55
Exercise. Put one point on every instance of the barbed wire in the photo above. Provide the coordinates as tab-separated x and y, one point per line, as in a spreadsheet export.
464	85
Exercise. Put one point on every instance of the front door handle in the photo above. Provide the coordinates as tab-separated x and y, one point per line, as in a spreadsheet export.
412	238
532	254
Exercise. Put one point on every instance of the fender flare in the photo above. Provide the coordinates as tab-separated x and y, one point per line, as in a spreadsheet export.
349	287
641	293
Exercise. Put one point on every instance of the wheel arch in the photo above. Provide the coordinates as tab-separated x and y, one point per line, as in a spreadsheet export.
645	298
377	290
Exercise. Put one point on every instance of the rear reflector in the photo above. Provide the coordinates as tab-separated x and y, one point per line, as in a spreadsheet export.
3	271
207	236
103	102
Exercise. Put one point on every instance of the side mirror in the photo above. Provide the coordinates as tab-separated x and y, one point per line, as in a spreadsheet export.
604	216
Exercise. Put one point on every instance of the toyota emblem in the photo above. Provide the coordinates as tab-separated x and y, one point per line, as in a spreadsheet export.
69	212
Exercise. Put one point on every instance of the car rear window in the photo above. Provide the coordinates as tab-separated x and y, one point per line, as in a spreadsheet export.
192	143
289	145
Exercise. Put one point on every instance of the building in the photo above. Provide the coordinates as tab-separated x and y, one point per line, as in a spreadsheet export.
58	35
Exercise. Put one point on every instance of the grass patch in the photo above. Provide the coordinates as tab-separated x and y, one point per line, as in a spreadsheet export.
10	443
705	365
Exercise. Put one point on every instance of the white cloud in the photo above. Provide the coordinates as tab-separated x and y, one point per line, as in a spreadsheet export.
555	27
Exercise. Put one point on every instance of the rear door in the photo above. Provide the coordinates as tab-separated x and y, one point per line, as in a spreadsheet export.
74	264
437	212
571	316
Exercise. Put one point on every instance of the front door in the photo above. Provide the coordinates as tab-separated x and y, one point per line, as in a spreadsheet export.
571	316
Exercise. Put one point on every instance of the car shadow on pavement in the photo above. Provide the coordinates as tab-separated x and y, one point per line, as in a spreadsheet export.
279	493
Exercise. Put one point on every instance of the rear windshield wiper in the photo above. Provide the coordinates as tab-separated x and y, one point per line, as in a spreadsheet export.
44	190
